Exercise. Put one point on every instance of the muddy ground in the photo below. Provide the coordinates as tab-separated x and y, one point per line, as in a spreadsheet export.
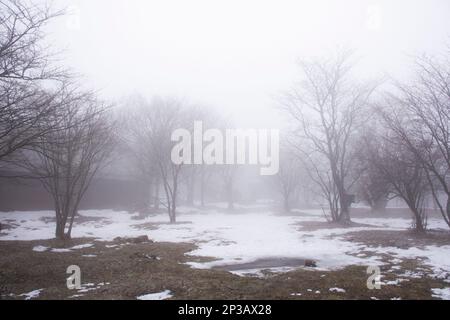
125	270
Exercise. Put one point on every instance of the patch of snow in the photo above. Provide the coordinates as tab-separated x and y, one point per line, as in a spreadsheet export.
238	237
86	287
248	273
32	294
395	261
340	290
40	248
156	296
82	246
257	272
243	238
443	293
59	250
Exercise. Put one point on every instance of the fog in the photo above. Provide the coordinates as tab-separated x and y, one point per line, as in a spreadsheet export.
237	56
295	149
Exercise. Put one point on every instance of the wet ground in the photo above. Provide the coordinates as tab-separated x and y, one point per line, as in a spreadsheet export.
266	263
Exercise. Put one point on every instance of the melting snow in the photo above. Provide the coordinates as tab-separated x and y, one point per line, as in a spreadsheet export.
340	290
40	248
237	238
443	294
156	296
43	248
32	294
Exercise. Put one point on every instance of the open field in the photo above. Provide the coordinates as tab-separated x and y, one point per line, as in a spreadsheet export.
251	253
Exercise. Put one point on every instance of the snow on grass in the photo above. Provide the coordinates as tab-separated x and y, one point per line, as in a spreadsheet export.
235	238
437	257
338	290
232	238
40	248
32	294
82	246
241	238
60	250
257	272
86	287
443	294
395	282
156	296
40	225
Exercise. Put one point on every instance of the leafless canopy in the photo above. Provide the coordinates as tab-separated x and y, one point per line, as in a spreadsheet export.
67	159
328	109
29	81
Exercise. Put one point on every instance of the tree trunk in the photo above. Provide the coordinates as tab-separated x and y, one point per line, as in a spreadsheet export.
173	210
447	210
59	233
418	222
61	219
172	216
344	215
72	218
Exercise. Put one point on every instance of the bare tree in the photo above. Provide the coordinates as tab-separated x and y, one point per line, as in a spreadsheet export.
420	116
133	144
328	109
150	131
66	160
25	64
397	165
371	187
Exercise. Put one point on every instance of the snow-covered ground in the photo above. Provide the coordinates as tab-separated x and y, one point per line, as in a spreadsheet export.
235	238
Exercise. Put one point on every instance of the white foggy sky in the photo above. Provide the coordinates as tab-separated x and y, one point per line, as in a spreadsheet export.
236	55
